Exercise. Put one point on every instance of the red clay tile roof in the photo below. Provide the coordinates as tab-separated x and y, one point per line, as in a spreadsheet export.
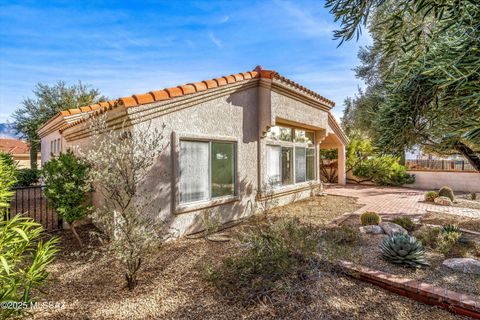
190	88
14	146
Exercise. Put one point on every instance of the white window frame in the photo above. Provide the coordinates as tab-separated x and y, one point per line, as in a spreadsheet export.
293	144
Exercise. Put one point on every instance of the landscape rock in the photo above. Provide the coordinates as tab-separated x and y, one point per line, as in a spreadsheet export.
371	229
465	265
443	201
390	228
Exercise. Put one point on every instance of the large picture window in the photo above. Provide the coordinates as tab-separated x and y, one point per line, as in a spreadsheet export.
207	170
290	160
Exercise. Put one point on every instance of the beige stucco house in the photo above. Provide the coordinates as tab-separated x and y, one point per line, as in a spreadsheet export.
229	138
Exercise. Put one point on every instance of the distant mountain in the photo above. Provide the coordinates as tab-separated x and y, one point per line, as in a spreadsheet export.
7	131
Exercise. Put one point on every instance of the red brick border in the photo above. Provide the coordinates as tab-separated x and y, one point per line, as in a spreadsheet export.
462	304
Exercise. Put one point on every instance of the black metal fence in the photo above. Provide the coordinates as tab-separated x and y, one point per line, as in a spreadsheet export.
439	165
31	202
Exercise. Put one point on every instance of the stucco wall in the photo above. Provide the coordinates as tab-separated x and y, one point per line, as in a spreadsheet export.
45	145
458	181
233	116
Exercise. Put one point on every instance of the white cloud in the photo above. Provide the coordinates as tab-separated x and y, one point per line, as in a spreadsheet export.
215	40
225	19
303	21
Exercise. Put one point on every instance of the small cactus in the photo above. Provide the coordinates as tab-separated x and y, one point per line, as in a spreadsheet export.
370	218
431	195
446	192
404	250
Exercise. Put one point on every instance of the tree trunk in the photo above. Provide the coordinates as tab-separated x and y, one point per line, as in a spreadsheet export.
33	155
72	227
469	154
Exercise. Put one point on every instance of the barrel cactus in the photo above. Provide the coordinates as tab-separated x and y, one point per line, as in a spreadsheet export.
404	250
430	196
446	192
370	218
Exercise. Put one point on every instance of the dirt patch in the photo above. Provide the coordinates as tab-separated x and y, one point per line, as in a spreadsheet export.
463	222
172	283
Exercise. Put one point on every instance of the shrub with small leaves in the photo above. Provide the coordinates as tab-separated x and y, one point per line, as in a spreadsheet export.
405	222
428	236
273	258
473	196
404	250
446	192
449	243
370	218
431	195
344	234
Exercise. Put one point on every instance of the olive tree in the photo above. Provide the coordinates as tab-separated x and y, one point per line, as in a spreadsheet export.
121	160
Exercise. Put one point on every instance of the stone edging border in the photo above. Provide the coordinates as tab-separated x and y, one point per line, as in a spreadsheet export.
458	303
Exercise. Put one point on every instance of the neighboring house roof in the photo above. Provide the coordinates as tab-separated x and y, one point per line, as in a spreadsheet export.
14	146
72	117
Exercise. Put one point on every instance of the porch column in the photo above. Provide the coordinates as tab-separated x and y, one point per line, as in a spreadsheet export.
342	176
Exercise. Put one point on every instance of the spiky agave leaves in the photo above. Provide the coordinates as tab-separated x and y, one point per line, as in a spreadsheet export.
403	249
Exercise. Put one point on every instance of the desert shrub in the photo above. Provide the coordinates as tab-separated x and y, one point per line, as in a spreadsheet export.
405	222
404	250
446	192
343	234
428	236
121	161
67	187
367	164
449	243
211	222
370	218
26	177
473	196
431	195
272	258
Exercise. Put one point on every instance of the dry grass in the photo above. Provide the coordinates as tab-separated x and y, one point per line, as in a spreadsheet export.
439	218
172	284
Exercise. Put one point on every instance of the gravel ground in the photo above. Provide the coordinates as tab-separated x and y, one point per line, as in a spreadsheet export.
439	218
369	255
172	284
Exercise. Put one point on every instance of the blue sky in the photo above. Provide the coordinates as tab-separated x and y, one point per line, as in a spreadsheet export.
124	47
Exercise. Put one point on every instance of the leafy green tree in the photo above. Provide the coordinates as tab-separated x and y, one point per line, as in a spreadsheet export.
67	187
48	101
422	72
367	164
7	180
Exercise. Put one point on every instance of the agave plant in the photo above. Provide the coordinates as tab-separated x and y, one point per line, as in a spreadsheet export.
450	228
403	249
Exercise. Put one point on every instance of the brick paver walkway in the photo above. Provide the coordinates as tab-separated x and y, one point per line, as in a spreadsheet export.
395	201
